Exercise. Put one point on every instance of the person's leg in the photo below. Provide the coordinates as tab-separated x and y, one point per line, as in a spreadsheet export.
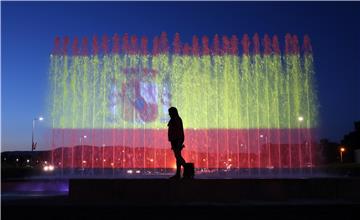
179	158
178	168
180	147
179	161
177	147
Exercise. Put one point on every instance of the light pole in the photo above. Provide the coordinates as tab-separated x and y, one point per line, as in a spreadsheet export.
82	150
33	145
248	154
268	147
300	119
342	149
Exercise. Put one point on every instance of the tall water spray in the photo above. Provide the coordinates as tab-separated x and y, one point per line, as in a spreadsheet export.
248	107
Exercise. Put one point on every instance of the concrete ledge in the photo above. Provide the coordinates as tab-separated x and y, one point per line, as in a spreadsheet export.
214	190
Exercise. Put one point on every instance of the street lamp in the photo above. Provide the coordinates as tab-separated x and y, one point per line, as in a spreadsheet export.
33	145
342	149
248	153
82	150
81	139
268	147
300	119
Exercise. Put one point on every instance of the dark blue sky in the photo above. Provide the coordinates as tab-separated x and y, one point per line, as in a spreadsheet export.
29	28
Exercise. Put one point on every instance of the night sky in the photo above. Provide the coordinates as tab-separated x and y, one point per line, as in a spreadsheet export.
28	30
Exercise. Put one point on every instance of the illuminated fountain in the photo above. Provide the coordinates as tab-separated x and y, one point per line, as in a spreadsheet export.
249	108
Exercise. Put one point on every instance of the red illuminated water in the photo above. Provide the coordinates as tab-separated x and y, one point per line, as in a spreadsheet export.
207	148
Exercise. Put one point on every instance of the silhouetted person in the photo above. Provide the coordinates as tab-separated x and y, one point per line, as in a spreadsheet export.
176	137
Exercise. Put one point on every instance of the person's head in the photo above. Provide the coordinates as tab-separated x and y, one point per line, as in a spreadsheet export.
173	112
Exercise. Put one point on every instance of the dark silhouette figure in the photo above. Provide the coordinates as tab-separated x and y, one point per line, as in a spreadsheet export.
176	138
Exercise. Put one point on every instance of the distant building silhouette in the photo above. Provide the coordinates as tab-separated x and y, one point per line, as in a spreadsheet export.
351	141
330	151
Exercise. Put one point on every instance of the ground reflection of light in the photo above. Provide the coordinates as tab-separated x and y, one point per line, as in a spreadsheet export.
54	186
